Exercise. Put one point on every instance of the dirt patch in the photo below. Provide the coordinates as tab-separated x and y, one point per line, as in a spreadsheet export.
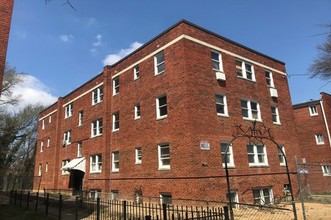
314	211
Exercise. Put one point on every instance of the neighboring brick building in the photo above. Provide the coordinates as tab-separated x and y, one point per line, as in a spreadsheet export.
313	119
6	9
152	124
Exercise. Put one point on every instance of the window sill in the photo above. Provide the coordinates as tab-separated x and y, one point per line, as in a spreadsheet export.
138	163
320	143
162	117
93	104
115	130
252	119
277	123
230	166
259	165
223	115
95	172
156	74
95	136
116	94
164	169
137	118
115	171
326	174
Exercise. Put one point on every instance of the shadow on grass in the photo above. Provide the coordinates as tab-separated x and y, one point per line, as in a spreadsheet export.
11	212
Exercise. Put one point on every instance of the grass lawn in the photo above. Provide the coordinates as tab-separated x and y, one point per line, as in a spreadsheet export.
11	212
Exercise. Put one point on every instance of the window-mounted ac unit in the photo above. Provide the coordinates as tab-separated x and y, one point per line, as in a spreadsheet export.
220	76
273	92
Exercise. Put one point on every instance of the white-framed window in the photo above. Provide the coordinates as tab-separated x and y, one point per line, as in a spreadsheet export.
41	146
250	110
114	195
138	155
67	137
313	110
229	155
159	63
234	197
39	169
46	167
136	73
115	161
262	196
116	121
65	162
97	95
137	111
48	142
216	59
245	70
165	198
80	118
269	78
164	156
116	85
96	128
257	154
319	139
161	107
326	170
43	124
281	157
68	109
95	163
221	105
275	115
79	149
94	194
49	119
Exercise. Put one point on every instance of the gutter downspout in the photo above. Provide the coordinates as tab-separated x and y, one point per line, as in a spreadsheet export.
325	122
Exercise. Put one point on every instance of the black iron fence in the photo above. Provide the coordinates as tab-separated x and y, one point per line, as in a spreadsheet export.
64	207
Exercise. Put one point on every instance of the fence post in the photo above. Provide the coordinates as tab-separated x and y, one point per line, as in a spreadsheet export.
76	208
148	217
47	203
60	206
124	210
21	194
28	200
226	213
164	208
37	198
98	208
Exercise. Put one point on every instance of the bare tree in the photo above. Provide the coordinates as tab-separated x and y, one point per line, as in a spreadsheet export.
321	66
10	79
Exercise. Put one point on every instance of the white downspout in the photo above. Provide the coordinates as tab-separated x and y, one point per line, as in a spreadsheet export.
326	122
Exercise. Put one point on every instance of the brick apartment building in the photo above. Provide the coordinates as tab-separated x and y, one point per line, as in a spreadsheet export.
155	123
6	9
314	123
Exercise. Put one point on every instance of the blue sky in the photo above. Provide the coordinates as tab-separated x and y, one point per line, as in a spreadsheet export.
61	48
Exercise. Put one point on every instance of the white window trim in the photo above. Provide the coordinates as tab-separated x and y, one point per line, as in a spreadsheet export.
326	170
97	162
244	71
67	137
113	164
276	114
161	166
136	72
158	112
48	142
79	149
65	172
68	109
95	125
42	124
49	119
220	63
46	167
80	118
318	142
262	195
281	155
115	87
226	113
136	116
137	150
114	120
39	169
98	92
256	159
158	64
41	146
166	195
272	85
249	108
313	112
230	152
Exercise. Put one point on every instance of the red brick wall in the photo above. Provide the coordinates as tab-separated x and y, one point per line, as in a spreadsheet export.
190	85
6	9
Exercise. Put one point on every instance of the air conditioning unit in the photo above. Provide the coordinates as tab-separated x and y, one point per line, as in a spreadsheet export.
220	76
273	92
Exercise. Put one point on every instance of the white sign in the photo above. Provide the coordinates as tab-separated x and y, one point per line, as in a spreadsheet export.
204	145
303	171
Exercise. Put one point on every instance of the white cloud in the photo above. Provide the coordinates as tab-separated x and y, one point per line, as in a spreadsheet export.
91	21
66	38
93	51
32	91
114	57
98	41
